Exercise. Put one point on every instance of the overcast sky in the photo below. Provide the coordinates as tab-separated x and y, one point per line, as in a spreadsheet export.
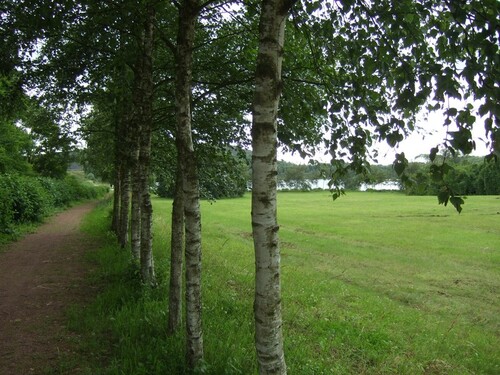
415	145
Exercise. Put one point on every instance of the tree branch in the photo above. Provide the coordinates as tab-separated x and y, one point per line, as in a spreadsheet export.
287	5
219	86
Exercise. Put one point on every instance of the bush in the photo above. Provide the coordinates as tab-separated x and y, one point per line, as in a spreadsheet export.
24	200
6	205
57	191
28	199
31	201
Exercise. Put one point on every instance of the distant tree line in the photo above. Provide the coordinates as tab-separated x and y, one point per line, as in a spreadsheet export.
300	176
466	175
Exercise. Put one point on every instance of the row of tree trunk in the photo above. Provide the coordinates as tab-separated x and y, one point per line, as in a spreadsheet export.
132	168
132	155
132	209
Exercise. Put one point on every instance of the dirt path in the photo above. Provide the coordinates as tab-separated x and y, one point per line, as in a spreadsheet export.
40	276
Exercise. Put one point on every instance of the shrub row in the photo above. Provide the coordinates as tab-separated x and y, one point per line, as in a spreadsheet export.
26	199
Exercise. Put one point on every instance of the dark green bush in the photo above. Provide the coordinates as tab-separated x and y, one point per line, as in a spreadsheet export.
6	205
26	199
58	191
31	201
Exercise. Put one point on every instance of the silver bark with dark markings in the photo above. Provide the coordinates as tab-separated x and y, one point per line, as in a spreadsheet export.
176	255
188	13
144	108
267	305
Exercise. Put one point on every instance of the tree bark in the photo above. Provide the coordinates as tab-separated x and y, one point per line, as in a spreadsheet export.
135	214
176	254
135	170
146	209
146	253
267	305
143	108
115	222
188	14
124	206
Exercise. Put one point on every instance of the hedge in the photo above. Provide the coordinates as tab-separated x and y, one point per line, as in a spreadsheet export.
26	199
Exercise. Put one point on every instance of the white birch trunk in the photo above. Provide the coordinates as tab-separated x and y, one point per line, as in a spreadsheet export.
124	206
193	265
145	108
124	154
267	305
146	211
188	13
135	214
115	223
146	254
176	255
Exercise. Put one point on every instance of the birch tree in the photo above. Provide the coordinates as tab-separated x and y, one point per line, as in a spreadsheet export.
378	64
188	13
176	253
144	106
267	305
215	127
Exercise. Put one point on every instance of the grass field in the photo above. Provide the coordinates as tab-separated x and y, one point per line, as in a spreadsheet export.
373	283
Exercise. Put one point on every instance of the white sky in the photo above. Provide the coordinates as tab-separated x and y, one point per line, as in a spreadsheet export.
435	133
416	144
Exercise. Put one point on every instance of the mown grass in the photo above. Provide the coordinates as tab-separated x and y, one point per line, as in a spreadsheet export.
374	283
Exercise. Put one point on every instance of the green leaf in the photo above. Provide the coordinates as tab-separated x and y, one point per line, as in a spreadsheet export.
452	112
433	153
462	140
443	197
337	193
436	172
457	203
400	164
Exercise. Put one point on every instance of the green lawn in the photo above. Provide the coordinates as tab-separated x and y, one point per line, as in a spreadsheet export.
373	283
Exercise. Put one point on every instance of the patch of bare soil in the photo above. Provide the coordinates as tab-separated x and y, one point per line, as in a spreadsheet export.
40	277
